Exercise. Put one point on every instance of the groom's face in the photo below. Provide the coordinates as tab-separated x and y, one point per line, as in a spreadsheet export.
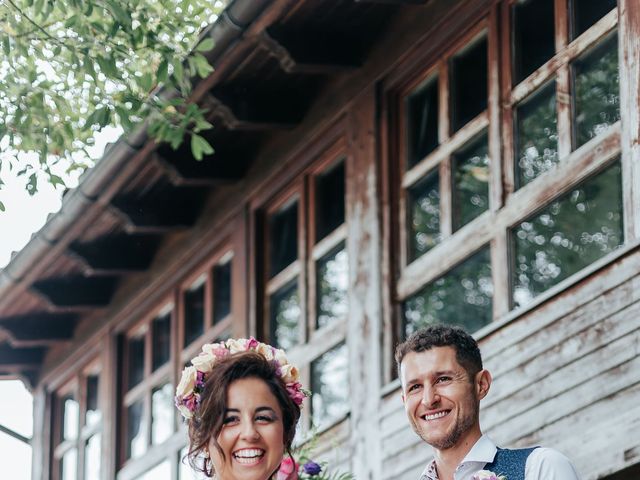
440	399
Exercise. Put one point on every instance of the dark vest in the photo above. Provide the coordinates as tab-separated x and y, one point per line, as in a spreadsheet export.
510	463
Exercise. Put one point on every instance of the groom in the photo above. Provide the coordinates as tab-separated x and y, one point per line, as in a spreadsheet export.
442	384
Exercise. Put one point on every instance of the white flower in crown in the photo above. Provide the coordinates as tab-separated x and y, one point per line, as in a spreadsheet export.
187	382
289	373
204	361
237	345
266	351
280	356
487	475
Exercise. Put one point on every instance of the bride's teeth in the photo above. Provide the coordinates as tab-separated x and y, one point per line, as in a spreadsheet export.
435	415
248	454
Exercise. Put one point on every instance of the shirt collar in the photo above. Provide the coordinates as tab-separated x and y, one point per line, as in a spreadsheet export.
483	451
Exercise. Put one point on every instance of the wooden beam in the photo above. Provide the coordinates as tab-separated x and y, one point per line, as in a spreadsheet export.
85	292
232	122
117	254
22	358
160	210
310	66
39	329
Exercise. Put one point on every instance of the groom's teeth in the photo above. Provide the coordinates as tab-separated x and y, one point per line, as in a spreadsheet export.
435	415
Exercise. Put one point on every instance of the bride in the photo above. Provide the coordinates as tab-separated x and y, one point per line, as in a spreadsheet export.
241	399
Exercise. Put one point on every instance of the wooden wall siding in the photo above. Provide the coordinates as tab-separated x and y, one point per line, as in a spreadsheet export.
563	374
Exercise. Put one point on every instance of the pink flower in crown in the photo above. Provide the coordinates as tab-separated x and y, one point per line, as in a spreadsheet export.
252	344
295	392
191	402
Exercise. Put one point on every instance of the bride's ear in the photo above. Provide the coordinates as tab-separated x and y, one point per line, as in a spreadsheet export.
483	383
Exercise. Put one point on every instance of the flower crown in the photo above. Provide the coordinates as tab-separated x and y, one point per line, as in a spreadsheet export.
193	377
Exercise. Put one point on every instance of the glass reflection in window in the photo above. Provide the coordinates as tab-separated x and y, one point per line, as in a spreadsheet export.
71	418
332	282
221	291
285	316
135	370
422	121
536	135
92	458
161	413
193	312
93	414
571	233
330	386
329	201
423	211
470	182
463	296
161	339
597	95
283	235
136	441
588	12
533	36
469	84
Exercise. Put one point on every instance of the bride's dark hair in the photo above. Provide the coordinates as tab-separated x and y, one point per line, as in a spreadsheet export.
206	423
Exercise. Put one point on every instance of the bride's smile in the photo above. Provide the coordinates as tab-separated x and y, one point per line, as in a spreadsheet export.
252	437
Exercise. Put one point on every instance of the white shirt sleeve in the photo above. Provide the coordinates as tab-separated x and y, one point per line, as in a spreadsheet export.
548	464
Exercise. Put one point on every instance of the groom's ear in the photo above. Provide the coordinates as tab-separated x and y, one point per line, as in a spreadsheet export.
482	383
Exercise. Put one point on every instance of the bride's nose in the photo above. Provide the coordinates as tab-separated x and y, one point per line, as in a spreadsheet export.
249	432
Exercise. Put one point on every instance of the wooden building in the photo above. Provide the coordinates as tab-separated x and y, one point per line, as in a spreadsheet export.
378	166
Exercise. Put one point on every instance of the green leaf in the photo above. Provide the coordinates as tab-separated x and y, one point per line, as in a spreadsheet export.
123	115
55	180
202	65
2	207
108	66
205	45
200	146
120	14
163	68
6	46
105	117
39	7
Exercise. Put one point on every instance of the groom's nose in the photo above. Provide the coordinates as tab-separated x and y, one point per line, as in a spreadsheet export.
430	396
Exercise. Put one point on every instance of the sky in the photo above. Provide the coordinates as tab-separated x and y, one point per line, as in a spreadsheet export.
16	406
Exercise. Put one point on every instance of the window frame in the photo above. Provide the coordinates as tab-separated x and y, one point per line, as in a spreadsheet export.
507	206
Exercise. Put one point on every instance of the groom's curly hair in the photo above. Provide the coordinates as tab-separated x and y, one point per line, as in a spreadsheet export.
467	351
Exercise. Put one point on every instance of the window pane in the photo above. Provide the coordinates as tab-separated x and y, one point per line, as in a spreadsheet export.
193	313
159	472
597	96
285	316
469	84
533	36
422	121
568	235
92	415
470	182
536	135
283	239
136	441
161	413
329	201
462	296
92	458
330	386
588	12
161	339
332	280
69	465
135	369
221	291
423	212
71	418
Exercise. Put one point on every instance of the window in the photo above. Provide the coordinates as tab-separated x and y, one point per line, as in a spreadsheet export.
306	280
78	427
148	400
507	160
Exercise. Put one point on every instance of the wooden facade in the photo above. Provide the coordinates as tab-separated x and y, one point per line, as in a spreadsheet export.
378	166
